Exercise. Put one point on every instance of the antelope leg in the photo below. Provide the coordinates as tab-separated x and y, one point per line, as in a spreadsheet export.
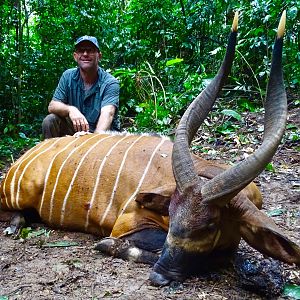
142	246
18	220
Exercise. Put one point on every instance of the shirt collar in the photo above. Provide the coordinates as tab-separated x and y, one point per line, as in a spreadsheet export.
76	75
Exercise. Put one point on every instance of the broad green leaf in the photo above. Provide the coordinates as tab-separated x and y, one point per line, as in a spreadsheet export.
291	126
25	232
294	137
269	167
292	290
231	113
174	61
22	135
39	232
292	13
276	212
60	244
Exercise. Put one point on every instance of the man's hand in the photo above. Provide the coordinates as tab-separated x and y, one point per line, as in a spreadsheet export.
78	119
64	110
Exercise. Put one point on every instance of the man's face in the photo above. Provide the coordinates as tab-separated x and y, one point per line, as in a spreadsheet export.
87	56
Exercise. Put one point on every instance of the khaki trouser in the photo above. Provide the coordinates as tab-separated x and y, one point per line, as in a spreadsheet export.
55	126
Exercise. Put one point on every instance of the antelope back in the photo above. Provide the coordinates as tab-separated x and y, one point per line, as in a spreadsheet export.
87	183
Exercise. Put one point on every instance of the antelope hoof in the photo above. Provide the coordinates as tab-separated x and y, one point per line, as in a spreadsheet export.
108	245
158	279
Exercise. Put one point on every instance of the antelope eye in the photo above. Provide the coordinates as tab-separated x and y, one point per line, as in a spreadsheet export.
211	227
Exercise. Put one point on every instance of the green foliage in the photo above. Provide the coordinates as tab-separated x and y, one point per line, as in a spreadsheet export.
246	105
60	244
156	107
269	167
292	290
163	53
276	212
28	233
231	113
15	142
292	133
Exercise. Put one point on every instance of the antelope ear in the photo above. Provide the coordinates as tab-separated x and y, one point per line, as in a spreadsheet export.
157	199
260	232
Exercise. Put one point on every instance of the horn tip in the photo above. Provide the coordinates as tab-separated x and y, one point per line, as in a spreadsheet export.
281	26
235	22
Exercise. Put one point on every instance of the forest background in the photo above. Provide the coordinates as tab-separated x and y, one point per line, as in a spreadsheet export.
163	53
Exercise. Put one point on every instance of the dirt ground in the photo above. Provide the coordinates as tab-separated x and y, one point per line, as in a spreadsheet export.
30	271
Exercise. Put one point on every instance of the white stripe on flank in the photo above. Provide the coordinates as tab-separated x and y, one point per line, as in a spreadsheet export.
142	178
12	182
62	214
60	170
48	173
98	179
116	183
4	191
24	170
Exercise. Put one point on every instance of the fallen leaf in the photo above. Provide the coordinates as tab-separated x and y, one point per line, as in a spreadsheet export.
60	244
292	290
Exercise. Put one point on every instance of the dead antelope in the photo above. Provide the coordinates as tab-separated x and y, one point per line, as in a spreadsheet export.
122	187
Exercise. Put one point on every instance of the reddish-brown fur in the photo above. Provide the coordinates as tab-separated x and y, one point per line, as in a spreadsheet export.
37	186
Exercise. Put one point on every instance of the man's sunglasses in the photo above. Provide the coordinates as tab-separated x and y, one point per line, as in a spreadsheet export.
88	50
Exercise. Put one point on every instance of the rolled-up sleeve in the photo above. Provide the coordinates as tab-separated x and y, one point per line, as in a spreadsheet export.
60	93
111	94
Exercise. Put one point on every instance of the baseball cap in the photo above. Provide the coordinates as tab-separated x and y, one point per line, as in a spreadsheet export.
91	39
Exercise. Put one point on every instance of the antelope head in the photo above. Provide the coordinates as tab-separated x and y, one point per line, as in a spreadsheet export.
196	208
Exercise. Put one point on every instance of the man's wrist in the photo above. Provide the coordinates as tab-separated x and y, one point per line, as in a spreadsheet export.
70	109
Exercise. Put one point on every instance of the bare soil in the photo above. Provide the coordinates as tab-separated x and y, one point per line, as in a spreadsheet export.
30	271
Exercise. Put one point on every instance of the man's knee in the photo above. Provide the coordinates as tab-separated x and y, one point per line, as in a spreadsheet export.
51	126
50	120
56	126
